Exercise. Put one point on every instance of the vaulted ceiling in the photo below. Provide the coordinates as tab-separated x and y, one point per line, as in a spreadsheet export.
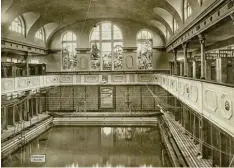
67	12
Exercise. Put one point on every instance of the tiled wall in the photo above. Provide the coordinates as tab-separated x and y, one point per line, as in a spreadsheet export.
67	98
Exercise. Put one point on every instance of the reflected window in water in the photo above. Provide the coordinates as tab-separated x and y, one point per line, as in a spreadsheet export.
93	147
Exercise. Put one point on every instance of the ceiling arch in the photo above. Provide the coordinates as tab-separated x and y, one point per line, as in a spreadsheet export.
165	15
30	18
49	29
6	4
177	6
160	26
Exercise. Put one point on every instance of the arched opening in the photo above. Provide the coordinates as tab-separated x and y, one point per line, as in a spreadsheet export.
104	38
69	45
40	34
187	9
18	25
144	49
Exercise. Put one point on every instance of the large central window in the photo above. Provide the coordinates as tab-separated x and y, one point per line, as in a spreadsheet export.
107	38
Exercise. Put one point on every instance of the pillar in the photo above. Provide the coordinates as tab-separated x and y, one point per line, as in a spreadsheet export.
31	107
17	113
171	68
203	67
205	137
195	67
5	119
27	61
222	69
37	106
10	116
175	62
27	110
181	69
185	47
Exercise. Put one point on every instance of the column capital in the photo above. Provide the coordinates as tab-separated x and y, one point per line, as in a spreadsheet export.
174	51
202	38
185	45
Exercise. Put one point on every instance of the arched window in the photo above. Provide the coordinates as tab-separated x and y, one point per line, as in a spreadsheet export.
69	45
40	34
17	25
187	9
200	2
104	39
175	25
144	49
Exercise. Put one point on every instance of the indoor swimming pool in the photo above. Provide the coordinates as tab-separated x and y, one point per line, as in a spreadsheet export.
92	147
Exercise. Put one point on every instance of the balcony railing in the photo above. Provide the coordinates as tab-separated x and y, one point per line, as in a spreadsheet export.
214	101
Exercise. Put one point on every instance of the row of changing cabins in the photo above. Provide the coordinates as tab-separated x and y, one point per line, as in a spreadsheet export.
11	69
219	66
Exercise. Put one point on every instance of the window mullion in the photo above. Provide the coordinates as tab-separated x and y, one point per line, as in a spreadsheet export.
100	46
112	47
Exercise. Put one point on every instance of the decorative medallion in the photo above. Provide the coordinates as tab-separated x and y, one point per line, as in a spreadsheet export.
226	106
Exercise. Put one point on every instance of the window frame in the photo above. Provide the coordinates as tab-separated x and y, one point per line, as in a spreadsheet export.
187	10
43	35
101	41
72	42
22	26
142	41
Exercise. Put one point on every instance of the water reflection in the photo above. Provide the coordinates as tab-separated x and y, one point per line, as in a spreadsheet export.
92	147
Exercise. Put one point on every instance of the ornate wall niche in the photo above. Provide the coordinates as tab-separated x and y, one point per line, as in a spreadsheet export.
226	106
210	100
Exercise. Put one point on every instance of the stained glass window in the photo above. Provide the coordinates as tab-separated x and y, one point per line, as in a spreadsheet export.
103	40
144	49
69	45
40	34
17	26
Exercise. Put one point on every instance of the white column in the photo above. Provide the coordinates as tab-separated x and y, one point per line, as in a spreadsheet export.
203	67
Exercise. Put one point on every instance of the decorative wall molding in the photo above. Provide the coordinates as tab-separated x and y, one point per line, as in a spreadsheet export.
91	78
24	47
66	79
210	100
194	93
226	106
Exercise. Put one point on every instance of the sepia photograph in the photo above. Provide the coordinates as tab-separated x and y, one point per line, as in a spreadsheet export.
117	83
